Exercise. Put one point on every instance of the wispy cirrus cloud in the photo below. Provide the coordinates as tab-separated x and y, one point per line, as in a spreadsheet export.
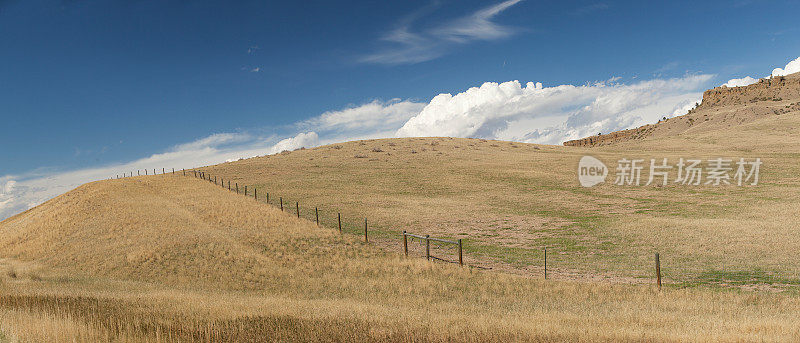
600	6
407	45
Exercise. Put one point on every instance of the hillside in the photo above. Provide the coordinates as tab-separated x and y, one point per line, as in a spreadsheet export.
170	230
178	258
721	107
508	201
172	258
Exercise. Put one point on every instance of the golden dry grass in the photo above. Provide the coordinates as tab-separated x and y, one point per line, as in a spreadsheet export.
510	200
216	266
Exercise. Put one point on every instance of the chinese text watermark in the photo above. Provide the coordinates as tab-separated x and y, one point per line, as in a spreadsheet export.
695	172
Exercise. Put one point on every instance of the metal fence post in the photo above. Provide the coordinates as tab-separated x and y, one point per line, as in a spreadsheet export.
405	243
339	215
658	271
460	253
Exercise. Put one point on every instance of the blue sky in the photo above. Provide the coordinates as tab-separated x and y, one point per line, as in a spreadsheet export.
93	88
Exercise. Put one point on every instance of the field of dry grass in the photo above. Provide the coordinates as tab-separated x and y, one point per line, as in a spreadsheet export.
213	265
510	200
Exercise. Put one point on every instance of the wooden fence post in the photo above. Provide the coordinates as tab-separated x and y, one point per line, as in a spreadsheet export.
281	204
255	193
428	247
339	214
545	263
460	253
297	206
405	243
366	240
138	173
658	271
173	171
237	188
267	197
145	172
316	214
154	171
245	190
162	170
215	180
184	172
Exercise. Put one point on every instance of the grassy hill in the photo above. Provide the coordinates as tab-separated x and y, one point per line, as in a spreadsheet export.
509	201
174	258
169	258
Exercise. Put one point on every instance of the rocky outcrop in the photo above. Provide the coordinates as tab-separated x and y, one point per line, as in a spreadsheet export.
776	88
613	137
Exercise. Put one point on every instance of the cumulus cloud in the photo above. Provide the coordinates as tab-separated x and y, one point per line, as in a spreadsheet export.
790	68
745	81
534	113
302	140
407	45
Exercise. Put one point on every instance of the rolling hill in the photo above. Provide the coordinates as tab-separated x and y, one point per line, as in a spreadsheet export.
172	258
177	258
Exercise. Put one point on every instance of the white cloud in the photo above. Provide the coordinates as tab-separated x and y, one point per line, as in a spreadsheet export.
534	113
684	107
302	140
745	81
409	46
790	68
478	26
367	118
213	141
9	186
21	192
